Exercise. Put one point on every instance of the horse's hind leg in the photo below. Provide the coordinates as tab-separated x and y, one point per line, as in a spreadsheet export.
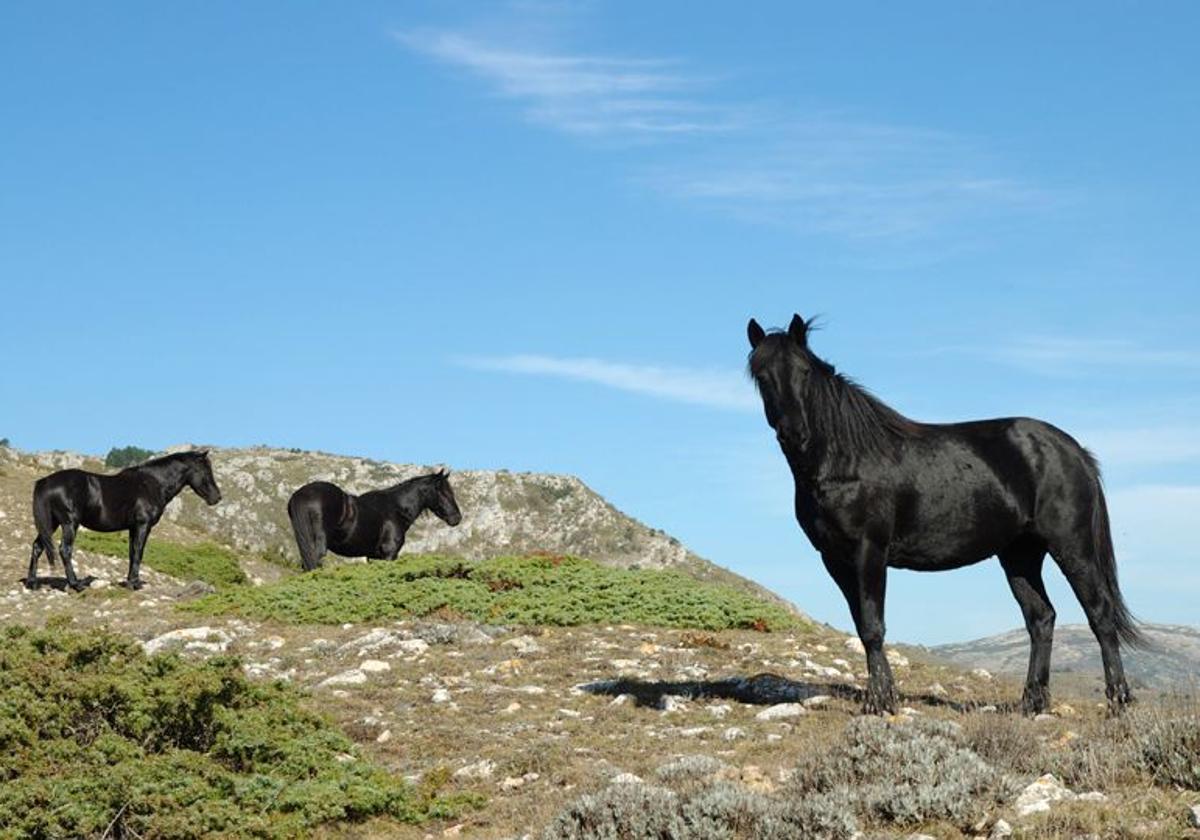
31	581
1022	563
67	550
1087	582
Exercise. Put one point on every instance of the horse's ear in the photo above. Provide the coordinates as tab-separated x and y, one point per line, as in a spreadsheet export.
798	330
755	333
203	453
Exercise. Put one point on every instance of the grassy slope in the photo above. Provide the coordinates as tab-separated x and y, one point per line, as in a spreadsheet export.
561	591
204	561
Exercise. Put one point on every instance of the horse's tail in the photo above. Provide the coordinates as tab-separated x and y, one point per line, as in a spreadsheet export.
43	520
1127	626
303	524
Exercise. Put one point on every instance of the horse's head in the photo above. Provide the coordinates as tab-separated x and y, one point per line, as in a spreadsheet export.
442	501
782	366
200	477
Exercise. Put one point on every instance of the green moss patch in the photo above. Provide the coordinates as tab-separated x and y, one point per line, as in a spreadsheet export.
97	739
204	561
511	590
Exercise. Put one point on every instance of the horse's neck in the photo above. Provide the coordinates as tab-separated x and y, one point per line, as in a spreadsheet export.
409	500
171	479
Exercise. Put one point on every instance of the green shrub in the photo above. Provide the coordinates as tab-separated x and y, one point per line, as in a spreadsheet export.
205	561
97	739
510	590
1168	741
126	456
902	773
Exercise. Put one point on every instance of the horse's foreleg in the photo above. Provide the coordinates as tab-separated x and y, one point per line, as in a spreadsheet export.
1023	566
137	544
863	581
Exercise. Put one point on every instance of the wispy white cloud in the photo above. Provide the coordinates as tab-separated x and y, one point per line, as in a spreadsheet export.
1144	446
815	173
581	94
721	389
1059	355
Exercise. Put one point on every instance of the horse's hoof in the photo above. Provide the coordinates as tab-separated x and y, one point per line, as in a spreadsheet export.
879	704
81	584
135	583
32	584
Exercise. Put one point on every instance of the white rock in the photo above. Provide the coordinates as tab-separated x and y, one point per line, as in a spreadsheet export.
673	703
720	710
894	657
523	645
441	696
1092	796
816	700
855	644
512	783
1036	798
511	708
1000	829
413	647
207	639
352	677
626	779
482	769
983	674
733	733
1194	816
374	666
384	737
937	690
781	710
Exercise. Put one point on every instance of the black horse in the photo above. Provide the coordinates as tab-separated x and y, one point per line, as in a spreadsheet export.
326	518
875	489
133	500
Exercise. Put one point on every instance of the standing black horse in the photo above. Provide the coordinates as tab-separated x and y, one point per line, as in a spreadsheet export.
876	489
133	500
326	518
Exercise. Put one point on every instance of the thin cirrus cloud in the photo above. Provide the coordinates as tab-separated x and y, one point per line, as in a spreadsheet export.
581	94
815	173
1065	355
726	390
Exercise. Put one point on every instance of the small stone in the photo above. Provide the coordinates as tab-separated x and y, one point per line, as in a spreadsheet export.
374	666
1000	829
896	659
620	700
1193	816
626	779
352	677
781	710
413	647
384	737
511	708
985	675
441	696
720	710
816	700
1092	796
1044	716
523	645
482	769
512	783
937	690
1064	710
673	703
1038	795
733	733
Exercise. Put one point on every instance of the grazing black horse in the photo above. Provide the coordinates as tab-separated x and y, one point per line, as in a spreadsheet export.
326	518
133	500
875	489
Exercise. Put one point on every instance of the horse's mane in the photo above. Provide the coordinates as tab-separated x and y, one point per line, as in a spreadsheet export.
412	482
847	416
169	458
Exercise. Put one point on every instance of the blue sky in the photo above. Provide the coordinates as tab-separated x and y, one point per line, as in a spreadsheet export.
529	235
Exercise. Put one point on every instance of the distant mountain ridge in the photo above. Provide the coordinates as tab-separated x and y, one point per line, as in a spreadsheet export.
1172	663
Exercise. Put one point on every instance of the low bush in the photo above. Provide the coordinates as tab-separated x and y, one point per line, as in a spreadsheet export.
902	773
1168	743
126	456
97	739
205	561
511	590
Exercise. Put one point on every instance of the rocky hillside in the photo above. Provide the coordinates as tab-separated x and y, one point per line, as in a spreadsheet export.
503	512
1172	664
